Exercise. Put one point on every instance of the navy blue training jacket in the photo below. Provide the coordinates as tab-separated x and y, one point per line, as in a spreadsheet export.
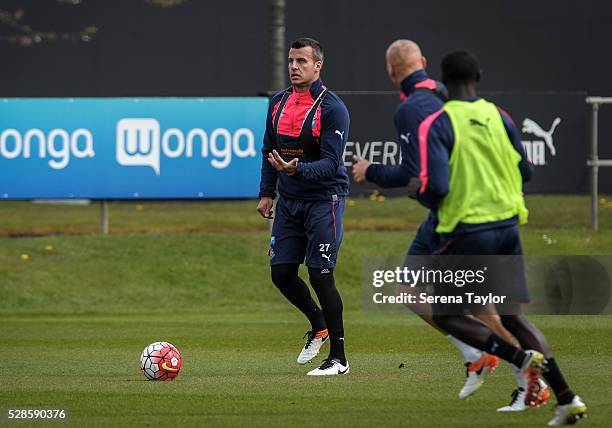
319	145
419	102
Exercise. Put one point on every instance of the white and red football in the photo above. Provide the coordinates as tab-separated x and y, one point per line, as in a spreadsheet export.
161	361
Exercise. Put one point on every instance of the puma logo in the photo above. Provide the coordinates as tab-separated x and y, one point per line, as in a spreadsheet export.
341	134
405	137
531	127
325	256
479	123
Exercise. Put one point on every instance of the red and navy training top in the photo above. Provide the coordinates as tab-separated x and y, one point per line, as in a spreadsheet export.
312	126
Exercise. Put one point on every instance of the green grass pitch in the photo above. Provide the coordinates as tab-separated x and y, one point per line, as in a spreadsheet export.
75	317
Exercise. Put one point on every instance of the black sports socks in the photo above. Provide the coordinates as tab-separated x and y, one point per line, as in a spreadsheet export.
555	379
331	304
285	278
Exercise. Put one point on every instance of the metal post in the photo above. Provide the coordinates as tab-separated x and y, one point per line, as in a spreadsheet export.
278	52
594	166
278	57
594	162
104	217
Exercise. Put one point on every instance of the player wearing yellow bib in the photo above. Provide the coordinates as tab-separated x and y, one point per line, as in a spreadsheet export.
471	173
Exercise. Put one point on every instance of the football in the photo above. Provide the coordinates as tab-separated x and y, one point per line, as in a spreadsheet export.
161	361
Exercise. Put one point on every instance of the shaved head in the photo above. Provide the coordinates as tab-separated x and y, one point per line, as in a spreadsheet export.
403	57
404	53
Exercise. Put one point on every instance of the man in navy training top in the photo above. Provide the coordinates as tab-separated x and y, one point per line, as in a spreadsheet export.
306	131
422	96
479	215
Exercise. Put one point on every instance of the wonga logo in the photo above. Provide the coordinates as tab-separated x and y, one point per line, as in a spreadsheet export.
59	144
141	143
138	143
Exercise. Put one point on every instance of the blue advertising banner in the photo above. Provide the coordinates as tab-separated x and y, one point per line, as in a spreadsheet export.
124	148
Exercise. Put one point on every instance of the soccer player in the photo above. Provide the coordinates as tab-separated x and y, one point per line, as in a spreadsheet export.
306	132
421	96
471	174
